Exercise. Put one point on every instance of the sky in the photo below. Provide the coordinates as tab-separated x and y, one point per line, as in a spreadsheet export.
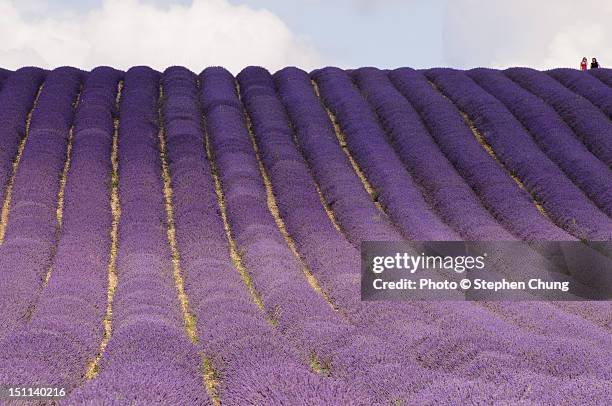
305	33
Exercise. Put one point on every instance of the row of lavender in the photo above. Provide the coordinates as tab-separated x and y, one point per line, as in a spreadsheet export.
65	328
30	235
299	331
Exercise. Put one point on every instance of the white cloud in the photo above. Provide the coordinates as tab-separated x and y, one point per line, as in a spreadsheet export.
123	33
541	34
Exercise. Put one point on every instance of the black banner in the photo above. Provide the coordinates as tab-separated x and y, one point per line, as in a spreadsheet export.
493	271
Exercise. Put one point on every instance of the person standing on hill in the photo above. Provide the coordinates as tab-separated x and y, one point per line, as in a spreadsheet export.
583	64
594	64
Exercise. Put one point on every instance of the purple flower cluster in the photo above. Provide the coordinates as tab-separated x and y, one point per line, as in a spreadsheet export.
453	199
398	193
588	122
587	86
341	188
149	351
31	232
552	135
66	325
515	148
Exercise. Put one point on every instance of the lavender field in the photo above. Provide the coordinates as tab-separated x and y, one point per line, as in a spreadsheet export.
190	239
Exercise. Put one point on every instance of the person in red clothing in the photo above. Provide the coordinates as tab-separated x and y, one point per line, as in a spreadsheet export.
583	64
